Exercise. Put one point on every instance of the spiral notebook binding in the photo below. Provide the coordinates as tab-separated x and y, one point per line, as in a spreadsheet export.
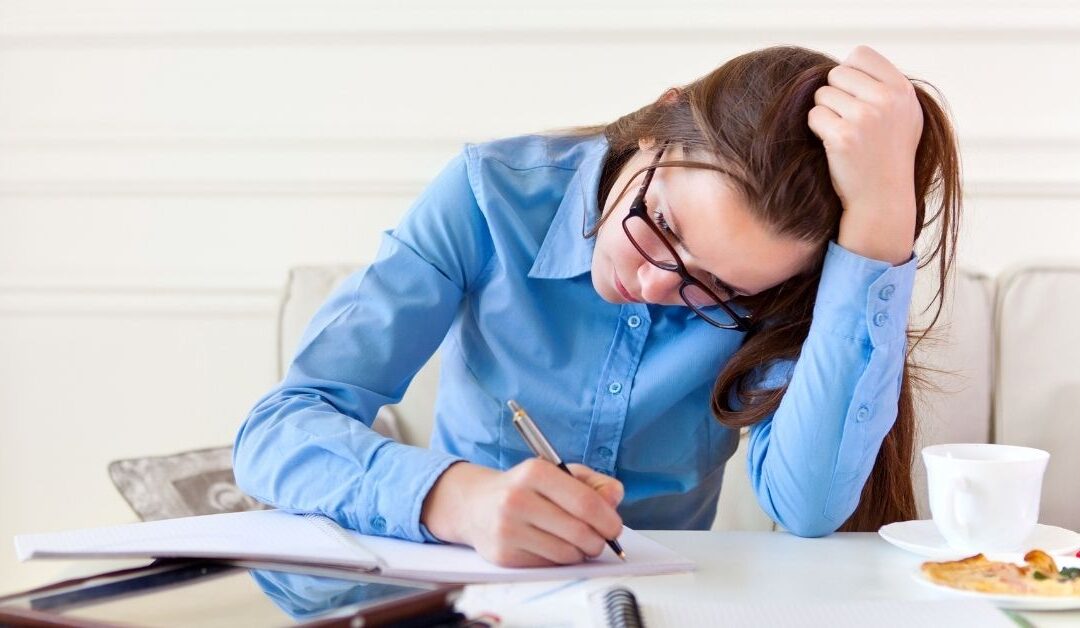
621	609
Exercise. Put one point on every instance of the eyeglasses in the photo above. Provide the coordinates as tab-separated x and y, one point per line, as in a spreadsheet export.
655	247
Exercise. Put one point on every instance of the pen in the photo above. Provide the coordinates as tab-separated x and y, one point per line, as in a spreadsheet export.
540	446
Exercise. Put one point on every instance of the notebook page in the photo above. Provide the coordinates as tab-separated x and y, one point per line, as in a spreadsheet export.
854	614
455	563
263	534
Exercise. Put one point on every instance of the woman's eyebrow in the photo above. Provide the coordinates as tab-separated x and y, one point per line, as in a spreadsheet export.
674	224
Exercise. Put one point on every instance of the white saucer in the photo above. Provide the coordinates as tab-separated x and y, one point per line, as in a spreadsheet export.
921	536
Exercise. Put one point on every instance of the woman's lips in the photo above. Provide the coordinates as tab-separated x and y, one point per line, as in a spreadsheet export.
623	291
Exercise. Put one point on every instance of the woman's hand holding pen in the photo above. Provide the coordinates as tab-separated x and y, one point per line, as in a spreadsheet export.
531	515
870	120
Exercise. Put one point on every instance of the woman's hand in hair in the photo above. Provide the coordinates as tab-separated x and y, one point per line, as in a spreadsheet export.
531	515
870	120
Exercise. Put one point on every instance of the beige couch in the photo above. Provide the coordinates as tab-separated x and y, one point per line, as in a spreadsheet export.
1008	352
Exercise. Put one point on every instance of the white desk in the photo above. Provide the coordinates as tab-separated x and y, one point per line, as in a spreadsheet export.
753	567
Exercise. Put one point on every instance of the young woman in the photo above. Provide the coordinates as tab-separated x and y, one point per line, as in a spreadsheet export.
738	253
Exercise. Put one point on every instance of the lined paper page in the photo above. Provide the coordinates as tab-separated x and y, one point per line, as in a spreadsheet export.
455	563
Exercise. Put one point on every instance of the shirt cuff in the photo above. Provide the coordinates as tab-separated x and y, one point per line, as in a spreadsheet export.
428	536
864	299
393	497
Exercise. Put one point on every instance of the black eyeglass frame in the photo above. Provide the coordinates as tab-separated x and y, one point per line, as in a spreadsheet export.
639	210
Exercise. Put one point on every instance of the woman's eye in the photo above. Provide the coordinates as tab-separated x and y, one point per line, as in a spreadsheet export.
661	222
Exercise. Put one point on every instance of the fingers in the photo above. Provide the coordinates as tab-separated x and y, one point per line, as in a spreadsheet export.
517	550
608	487
544	516
841	102
566	539
825	123
874	64
868	92
855	82
572	495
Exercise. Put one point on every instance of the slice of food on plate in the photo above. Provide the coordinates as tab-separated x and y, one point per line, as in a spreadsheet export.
1040	576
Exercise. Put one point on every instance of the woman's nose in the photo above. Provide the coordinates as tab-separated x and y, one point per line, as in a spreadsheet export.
658	285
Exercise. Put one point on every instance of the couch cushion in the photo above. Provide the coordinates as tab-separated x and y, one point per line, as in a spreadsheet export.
1038	375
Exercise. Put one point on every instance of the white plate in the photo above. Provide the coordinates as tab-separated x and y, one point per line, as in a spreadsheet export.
1015	602
921	536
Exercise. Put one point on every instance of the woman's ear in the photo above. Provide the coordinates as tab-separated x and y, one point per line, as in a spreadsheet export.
670	97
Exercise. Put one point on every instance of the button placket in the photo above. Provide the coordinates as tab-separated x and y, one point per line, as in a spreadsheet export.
609	413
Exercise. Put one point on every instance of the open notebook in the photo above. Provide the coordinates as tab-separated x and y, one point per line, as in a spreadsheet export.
277	536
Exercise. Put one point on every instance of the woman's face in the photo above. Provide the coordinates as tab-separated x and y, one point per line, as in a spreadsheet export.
717	238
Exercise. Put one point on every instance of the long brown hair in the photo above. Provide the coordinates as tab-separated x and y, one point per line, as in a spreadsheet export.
750	115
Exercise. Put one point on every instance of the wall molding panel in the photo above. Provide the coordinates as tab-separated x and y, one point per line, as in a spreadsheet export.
492	23
393	167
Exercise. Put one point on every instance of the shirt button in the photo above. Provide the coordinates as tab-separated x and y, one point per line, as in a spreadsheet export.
887	292
880	319
614	388
634	321
604	452
862	414
378	524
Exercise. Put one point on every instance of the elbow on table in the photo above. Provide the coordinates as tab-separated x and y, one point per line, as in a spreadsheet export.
810	528
806	515
807	518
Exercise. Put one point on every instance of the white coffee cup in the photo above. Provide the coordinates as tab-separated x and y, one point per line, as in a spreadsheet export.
985	498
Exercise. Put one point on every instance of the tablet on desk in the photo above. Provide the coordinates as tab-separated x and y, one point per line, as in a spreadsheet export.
207	593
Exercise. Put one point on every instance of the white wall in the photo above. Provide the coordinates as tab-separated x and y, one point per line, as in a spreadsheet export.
162	163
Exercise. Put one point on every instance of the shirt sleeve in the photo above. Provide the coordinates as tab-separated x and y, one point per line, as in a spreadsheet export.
809	461
307	445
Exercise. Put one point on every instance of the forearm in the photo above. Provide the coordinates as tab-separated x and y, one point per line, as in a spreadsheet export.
809	462
885	230
297	452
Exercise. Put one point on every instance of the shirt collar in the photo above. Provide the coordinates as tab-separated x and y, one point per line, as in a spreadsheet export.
565	252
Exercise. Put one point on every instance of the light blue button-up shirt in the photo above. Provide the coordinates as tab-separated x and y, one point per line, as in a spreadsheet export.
490	263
